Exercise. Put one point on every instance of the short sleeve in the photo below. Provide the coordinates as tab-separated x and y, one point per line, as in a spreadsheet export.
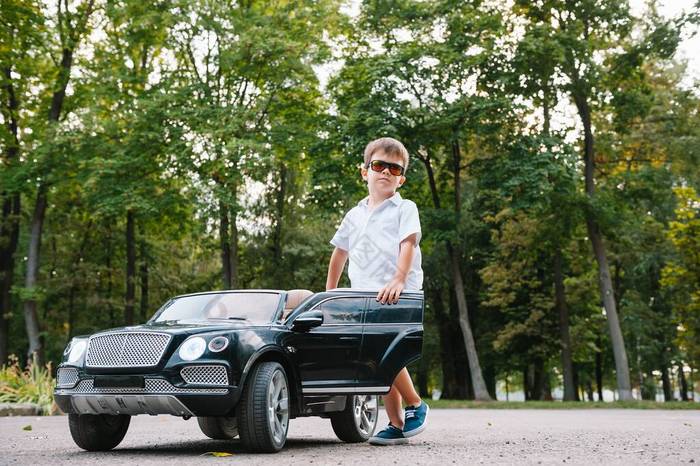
341	239
409	222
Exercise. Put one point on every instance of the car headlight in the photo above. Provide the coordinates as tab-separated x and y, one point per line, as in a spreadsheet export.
192	348
77	348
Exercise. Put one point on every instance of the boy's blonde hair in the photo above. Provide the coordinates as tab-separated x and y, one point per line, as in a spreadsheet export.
389	146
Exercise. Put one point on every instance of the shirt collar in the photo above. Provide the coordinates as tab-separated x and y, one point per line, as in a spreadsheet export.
395	199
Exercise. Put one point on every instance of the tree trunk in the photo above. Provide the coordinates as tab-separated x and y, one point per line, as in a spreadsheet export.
233	256
130	268
547	387
490	378
70	38
225	246
74	278
9	228
682	383
599	368
9	238
449	379
280	200
31	320
606	288
666	382
71	312
692	384
143	274
464	390
576	380
480	391
477	381
110	308
538	380
478	384
647	388
564	336
422	378
527	382
589	390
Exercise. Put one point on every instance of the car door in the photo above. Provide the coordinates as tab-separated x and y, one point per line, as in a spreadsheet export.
392	339
328	355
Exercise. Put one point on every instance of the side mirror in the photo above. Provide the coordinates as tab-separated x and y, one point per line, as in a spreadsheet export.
307	321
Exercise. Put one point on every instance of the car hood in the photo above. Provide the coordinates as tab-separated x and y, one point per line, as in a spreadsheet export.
189	328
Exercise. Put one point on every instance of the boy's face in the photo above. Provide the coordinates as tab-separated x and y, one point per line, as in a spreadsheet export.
383	183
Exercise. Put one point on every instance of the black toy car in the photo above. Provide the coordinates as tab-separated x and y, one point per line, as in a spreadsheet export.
244	362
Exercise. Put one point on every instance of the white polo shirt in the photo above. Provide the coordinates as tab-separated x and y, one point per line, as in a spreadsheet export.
372	239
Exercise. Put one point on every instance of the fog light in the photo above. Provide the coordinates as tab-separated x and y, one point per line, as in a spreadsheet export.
218	344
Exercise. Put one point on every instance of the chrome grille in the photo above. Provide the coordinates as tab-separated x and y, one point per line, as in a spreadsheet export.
66	377
205	375
137	349
153	386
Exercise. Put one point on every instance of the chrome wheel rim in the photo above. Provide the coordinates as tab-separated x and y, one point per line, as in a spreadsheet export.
365	408
278	406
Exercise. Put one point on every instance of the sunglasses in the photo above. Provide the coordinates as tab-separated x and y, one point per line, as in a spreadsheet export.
379	166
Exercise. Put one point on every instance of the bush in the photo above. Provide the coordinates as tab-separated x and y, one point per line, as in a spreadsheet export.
34	384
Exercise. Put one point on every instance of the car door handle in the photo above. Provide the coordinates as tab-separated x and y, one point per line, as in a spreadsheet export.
349	338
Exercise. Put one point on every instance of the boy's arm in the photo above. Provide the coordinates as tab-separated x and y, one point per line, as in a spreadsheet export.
335	267
391	291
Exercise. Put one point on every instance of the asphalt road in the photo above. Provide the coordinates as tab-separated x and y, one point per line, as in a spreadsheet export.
453	437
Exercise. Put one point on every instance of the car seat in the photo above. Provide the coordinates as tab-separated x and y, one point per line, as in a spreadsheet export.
294	298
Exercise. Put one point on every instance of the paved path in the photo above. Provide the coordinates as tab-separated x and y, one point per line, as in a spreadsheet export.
453	437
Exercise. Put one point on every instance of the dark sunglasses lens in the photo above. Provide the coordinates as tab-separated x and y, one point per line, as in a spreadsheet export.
377	165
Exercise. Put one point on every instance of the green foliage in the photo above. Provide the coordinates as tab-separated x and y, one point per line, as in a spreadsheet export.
682	275
34	384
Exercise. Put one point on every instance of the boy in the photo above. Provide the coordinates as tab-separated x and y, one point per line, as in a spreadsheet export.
380	237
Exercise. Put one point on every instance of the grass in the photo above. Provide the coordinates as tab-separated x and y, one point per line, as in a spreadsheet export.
467	404
34	384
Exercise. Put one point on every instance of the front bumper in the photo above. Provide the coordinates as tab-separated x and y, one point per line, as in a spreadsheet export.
158	396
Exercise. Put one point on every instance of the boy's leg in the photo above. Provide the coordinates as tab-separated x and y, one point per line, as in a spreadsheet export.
393	433
417	410
392	405
404	385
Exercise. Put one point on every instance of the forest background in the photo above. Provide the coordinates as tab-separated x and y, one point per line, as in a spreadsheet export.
150	149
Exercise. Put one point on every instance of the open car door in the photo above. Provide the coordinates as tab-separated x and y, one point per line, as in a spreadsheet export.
392	338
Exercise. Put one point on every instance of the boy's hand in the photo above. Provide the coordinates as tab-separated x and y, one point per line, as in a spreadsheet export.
391	291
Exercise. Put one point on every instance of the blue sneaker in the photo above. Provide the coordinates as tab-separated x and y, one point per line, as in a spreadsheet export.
415	419
389	436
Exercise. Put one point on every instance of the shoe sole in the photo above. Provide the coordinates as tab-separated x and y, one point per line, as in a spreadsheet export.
386	441
418	430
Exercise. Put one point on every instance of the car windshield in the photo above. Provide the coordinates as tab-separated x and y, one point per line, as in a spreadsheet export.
245	307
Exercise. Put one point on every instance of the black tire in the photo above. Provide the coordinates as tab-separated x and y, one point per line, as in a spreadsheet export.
257	428
98	432
349	425
219	428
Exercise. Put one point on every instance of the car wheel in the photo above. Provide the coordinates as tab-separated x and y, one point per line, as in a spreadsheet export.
98	432
263	412
219	428
356	423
